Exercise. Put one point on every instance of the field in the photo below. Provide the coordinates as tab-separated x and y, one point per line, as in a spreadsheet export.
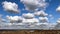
28	32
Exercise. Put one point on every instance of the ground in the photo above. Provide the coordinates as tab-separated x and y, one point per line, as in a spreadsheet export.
28	32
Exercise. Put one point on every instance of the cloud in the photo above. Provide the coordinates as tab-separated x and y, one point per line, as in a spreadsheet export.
48	26
52	25
1	19
30	21
43	19
58	24
28	15
58	21
51	16
34	4
4	24
58	9
41	13
10	7
44	26
16	19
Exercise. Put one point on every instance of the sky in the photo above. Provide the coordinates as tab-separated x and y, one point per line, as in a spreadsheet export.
51	8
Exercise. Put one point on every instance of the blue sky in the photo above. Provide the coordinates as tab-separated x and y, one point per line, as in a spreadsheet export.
51	9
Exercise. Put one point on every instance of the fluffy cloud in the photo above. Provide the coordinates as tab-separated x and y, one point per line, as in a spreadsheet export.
43	19
30	21
58	24
10	7
44	26
28	16
41	13
34	4
58	21
16	19
58	9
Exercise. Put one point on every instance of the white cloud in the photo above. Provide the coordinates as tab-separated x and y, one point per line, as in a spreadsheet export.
28	15
51	16
10	7
43	19
58	24
16	19
4	24
58	21
1	19
44	26
52	25
58	9
31	21
34	4
41	13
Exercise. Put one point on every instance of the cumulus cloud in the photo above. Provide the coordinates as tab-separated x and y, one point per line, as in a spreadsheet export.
58	21
44	26
10	7
31	21
28	15
58	9
16	19
34	4
41	13
43	19
58	24
52	25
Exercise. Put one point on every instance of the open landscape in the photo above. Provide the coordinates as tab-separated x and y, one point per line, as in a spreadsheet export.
28	32
29	16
